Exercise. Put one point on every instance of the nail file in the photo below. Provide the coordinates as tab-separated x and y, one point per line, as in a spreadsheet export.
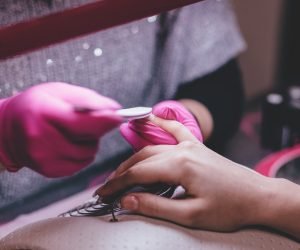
127	114
134	113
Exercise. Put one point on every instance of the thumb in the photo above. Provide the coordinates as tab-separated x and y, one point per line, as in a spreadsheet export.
134	139
79	97
158	207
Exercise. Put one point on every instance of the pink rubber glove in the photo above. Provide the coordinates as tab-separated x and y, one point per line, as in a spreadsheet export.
39	128
141	133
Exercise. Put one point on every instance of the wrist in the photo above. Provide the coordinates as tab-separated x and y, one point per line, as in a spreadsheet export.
281	207
261	210
272	203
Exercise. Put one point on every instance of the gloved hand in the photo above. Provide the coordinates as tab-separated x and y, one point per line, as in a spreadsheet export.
142	132
39	128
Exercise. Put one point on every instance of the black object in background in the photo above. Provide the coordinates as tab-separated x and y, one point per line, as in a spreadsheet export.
272	121
281	121
222	92
280	126
289	53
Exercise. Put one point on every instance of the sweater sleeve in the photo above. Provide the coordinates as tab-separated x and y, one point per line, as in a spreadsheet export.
222	93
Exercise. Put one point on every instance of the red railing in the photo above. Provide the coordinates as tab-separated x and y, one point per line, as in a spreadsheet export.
54	28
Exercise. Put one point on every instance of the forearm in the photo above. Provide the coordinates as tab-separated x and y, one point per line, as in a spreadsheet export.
202	114
281	209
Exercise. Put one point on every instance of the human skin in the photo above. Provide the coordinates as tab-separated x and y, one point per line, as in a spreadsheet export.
221	195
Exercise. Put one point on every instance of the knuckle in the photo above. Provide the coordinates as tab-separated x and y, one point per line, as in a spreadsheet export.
182	157
187	145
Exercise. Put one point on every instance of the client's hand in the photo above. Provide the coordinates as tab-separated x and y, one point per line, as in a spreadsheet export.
220	194
142	132
40	129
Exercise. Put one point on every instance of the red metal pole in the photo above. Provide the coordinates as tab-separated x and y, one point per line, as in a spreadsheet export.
40	32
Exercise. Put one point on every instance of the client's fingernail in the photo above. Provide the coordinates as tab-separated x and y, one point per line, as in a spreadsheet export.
129	202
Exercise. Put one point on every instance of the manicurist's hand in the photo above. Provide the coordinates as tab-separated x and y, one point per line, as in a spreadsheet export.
221	195
41	128
142	132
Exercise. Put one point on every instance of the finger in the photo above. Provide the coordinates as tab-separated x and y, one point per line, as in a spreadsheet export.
64	148
77	95
178	211
140	156
178	130
151	132
95	124
58	108
143	173
69	167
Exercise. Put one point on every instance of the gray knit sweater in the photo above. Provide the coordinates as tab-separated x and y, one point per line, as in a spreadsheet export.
135	64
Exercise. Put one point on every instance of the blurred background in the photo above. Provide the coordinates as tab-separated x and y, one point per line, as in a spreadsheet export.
270	29
270	68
